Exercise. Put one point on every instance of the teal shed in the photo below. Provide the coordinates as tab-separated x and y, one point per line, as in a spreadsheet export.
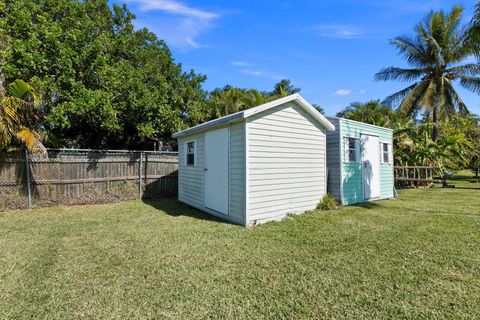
359	161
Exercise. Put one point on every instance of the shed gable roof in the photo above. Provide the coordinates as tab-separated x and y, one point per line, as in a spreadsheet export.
238	116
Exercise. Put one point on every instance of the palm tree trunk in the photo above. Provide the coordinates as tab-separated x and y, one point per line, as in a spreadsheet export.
435	125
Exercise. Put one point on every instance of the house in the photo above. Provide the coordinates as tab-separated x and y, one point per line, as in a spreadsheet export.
359	161
256	165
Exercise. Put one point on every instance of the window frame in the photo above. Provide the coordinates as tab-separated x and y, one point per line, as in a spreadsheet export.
194	141
356	150
384	152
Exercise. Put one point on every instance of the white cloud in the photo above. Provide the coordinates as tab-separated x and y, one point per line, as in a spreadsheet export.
343	92
248	68
337	31
174	7
262	74
182	25
240	64
362	91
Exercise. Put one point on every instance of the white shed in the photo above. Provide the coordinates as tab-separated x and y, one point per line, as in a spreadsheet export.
256	165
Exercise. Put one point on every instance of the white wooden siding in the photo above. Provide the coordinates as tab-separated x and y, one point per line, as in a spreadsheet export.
334	160
237	171
191	180
286	161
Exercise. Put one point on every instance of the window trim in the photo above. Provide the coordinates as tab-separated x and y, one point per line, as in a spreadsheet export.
347	150
194	153
382	153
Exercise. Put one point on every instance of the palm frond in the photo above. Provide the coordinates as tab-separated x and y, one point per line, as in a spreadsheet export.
453	21
393	73
392	99
31	140
455	98
412	102
470	83
19	89
467	69
17	114
412	51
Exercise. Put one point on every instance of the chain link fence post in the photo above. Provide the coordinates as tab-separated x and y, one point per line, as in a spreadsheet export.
27	180
140	166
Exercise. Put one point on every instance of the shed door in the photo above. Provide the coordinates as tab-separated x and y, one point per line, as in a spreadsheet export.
216	170
370	166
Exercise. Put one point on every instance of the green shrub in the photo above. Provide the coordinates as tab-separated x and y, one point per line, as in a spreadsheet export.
328	202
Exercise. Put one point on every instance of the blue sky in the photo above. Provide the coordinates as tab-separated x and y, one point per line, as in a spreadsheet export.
329	49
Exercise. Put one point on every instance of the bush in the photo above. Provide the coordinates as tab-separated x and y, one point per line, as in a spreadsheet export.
328	202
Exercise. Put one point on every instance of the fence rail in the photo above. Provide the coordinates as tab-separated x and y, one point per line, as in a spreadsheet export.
77	176
414	176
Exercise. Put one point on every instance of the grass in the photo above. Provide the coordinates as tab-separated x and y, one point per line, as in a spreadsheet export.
416	257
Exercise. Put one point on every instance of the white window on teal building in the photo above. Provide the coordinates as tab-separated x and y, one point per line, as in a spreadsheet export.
352	150
386	153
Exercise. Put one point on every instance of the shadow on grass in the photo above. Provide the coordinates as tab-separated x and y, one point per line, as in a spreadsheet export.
454	184
175	208
464	182
367	205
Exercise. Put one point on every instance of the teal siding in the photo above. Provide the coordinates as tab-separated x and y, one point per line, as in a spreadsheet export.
352	183
351	173
386	181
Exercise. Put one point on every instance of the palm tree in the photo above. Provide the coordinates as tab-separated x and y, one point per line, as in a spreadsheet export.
18	105
372	112
474	31
435	53
230	100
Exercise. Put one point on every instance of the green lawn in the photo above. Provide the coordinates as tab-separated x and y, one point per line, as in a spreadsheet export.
416	257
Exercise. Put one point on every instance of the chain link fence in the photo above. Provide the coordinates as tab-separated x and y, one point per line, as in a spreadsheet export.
80	176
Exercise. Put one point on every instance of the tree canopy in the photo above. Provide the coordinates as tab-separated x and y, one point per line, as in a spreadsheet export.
104	84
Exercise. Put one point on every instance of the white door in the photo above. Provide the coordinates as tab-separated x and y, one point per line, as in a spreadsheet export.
216	170
370	166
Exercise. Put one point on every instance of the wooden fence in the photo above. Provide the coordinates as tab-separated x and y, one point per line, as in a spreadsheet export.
85	176
414	176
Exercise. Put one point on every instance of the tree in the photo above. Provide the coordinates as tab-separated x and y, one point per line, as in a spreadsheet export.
18	109
104	84
372	112
227	100
319	108
474	30
284	88
435	53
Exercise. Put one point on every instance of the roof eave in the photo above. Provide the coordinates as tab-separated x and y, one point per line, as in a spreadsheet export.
210	124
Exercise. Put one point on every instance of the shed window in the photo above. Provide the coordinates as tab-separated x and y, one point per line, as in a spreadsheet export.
352	147
190	153
385	147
